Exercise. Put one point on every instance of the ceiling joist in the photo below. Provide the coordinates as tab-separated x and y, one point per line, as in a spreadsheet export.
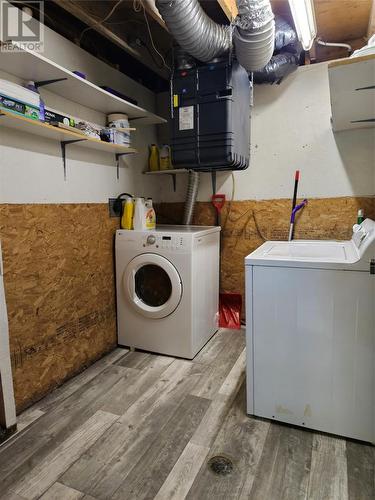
80	13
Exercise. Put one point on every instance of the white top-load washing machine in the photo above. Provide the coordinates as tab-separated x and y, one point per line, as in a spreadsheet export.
167	288
310	333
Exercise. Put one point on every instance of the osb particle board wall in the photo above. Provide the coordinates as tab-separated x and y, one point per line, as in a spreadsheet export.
59	274
59	284
247	224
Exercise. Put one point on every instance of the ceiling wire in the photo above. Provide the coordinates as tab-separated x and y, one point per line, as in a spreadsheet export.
138	6
100	22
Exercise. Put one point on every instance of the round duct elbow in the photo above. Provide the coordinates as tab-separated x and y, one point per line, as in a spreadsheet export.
194	31
254	35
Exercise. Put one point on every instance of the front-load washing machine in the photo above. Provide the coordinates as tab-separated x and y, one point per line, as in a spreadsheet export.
167	284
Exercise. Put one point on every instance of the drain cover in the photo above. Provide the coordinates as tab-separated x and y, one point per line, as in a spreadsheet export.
221	465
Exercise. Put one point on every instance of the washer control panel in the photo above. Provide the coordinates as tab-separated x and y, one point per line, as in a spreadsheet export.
172	242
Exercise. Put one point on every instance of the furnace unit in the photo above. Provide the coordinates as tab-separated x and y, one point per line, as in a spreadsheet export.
210	117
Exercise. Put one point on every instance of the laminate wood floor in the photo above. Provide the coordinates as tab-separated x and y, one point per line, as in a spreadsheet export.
141	426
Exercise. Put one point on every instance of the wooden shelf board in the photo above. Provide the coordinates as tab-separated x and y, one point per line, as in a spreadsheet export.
21	123
351	60
29	65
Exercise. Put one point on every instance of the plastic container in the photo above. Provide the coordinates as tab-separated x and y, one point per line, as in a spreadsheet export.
150	215
139	219
127	214
153	159
165	157
120	124
360	216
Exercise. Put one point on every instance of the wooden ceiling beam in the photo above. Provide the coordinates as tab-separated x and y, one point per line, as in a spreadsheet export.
153	12
229	7
73	8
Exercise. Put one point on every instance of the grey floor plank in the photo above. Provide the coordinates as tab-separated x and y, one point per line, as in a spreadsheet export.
141	455
55	426
181	477
11	496
361	471
213	350
218	371
46	472
28	417
241	439
127	390
59	491
284	468
100	471
136	359
75	383
216	413
328	478
147	476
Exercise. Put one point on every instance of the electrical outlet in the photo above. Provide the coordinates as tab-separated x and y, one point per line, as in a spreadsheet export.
114	208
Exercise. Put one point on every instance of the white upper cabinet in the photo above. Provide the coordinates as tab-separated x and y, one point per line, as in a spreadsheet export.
352	88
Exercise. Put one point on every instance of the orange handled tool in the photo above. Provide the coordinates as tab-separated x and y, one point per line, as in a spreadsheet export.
218	201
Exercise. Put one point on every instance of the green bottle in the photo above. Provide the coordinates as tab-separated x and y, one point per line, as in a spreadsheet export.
360	216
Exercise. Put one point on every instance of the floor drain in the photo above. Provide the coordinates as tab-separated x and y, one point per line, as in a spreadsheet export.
221	465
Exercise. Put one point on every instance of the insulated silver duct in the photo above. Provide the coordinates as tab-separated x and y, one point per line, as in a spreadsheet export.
195	32
204	39
191	197
254	35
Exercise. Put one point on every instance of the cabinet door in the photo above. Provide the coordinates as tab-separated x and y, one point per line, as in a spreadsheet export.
314	344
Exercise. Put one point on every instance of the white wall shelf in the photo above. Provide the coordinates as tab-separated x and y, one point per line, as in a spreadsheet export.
352	89
65	137
30	65
167	172
171	172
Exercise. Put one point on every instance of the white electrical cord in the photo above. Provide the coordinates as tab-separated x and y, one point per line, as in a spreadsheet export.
138	6
101	22
349	48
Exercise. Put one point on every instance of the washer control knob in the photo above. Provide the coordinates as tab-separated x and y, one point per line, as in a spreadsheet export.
151	239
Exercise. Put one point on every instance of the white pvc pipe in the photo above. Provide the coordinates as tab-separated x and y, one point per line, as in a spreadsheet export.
334	44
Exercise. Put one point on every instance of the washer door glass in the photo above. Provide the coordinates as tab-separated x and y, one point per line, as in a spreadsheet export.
152	285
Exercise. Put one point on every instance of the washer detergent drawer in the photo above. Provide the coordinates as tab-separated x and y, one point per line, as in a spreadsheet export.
152	285
313	338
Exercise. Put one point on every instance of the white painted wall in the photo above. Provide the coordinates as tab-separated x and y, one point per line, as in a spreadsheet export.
291	130
31	167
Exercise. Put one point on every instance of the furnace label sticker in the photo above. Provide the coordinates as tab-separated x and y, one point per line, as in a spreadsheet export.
186	118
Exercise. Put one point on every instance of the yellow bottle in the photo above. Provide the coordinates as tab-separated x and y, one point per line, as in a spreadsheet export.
150	215
165	157
153	159
127	214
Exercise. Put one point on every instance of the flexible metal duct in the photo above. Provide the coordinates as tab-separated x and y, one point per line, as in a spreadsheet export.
199	35
204	39
286	58
191	197
254	34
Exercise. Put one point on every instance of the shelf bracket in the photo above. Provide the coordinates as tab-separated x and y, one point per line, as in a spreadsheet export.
213	181
43	83
63	145
118	156
174	181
